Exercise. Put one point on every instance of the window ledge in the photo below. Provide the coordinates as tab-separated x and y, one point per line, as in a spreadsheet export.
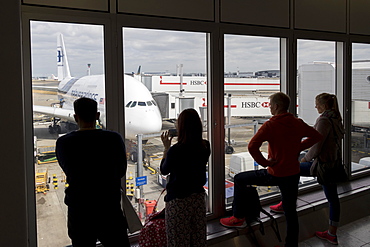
310	206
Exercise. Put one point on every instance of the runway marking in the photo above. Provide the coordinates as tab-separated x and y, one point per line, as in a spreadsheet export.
43	92
358	151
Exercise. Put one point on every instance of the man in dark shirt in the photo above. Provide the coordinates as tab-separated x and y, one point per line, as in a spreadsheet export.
94	162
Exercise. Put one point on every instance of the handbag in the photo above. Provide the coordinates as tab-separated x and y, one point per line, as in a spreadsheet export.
332	172
153	233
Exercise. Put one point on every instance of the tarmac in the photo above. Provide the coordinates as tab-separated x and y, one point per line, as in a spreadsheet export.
50	207
51	210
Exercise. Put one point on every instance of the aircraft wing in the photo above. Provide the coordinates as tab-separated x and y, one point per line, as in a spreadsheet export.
66	114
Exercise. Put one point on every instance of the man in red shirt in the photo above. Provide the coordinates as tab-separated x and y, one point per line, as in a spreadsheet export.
287	136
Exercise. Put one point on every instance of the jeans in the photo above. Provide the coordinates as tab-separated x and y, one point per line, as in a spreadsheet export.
330	193
289	192
86	225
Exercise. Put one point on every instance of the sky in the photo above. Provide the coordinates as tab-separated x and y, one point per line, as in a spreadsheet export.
161	51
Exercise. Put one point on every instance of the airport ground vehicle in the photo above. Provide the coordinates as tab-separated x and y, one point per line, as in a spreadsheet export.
41	181
241	162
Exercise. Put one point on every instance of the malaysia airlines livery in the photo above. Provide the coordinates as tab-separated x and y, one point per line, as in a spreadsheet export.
142	115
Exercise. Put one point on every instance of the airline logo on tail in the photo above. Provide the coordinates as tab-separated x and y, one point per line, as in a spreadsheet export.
62	61
59	56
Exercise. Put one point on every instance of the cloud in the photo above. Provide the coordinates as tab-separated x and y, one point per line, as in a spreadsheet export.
250	53
360	51
84	44
309	51
162	50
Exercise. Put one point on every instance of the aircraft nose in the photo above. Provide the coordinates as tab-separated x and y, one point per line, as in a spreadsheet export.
147	121
152	123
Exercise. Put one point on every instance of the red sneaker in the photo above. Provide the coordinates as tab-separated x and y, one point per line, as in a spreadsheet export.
278	208
233	222
326	236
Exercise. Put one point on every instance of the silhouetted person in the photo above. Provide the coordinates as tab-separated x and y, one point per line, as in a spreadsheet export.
330	126
186	163
94	162
285	136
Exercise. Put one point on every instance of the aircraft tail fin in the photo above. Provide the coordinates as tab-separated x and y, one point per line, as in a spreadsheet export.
137	75
138	70
62	60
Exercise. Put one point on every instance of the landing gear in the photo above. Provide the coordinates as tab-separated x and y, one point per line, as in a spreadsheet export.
55	128
70	126
229	150
133	156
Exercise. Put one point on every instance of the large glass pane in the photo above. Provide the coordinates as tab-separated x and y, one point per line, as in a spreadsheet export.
57	80
252	74
165	73
360	106
316	74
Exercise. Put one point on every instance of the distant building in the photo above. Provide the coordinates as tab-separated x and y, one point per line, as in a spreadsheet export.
267	73
246	74
239	74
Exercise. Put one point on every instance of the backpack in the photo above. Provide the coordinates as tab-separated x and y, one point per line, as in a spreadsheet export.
253	210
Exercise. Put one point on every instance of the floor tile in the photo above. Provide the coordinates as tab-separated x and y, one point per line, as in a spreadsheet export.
355	234
359	229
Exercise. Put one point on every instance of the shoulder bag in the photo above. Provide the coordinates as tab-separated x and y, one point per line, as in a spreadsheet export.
153	233
332	172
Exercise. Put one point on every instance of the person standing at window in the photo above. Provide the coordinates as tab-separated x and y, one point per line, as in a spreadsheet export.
94	161
185	162
329	125
287	136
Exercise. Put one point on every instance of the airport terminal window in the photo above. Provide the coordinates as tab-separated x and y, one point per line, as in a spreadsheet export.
315	75
360	119
55	89
167	70
251	75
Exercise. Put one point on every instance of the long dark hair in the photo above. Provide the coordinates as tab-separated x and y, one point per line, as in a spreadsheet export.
330	101
189	127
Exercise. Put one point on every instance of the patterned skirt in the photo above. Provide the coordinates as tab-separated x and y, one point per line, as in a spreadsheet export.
186	221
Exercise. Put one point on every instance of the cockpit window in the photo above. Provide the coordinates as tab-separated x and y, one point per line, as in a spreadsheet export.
140	103
149	103
154	102
133	104
128	104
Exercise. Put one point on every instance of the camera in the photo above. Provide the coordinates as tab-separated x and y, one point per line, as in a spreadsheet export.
172	132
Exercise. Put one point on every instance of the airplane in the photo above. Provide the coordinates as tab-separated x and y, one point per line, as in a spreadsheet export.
142	115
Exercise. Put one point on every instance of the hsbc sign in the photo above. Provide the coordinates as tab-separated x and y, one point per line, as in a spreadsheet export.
255	104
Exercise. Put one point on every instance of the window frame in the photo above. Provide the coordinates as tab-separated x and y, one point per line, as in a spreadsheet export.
361	40
113	60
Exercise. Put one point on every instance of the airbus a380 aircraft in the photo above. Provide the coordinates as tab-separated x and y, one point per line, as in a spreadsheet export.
142	115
